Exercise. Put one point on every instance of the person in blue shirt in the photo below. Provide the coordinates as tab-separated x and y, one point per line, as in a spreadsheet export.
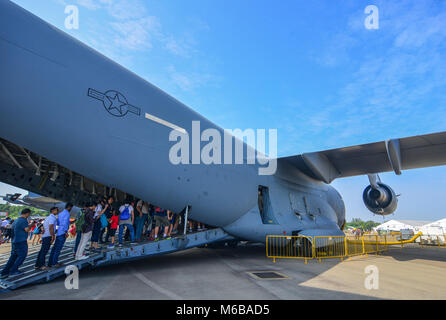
19	249
63	223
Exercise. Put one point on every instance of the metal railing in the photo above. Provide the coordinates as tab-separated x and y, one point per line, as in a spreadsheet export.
432	240
354	245
294	247
322	247
329	247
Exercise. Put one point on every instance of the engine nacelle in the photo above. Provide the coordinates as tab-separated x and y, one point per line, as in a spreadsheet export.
381	200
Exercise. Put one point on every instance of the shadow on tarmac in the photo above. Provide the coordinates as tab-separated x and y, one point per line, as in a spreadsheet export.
198	273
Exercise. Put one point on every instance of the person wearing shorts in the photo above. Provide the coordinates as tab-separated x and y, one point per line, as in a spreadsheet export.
161	220
172	217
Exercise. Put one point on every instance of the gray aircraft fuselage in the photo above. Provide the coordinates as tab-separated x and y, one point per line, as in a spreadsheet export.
43	203
51	87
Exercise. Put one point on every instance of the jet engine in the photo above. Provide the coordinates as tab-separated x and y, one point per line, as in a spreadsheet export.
379	198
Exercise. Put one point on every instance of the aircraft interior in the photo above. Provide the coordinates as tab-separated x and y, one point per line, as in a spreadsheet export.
25	169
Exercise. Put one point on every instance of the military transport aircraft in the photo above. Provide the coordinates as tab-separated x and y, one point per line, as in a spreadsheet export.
104	130
38	201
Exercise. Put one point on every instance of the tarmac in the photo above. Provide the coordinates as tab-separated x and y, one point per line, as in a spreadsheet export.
204	273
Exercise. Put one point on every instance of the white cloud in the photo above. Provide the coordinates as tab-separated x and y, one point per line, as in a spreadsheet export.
89	4
125	29
175	47
132	28
393	84
136	34
126	9
189	81
338	50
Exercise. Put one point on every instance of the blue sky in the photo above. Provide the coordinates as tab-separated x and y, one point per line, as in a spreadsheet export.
308	68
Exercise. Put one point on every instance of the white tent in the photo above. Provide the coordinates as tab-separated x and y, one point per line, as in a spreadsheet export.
398	225
434	228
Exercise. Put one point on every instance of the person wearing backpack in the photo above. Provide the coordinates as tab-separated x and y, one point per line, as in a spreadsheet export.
80	219
126	219
48	237
87	230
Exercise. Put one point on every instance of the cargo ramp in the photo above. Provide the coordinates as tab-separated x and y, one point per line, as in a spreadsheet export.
107	256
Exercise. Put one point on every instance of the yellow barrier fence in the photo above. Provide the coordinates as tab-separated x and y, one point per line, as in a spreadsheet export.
295	247
329	247
370	244
433	240
321	247
354	245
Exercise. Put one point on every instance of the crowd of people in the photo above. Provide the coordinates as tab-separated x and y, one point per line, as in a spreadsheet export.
34	235
6	230
97	223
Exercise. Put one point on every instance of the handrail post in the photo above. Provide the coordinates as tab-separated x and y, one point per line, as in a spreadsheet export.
185	219
363	247
313	247
346	248
377	245
267	237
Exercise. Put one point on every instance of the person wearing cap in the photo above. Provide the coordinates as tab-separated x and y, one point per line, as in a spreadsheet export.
19	249
48	237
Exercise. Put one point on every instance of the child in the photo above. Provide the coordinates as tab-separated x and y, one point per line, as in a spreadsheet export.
72	230
31	232
113	227
37	234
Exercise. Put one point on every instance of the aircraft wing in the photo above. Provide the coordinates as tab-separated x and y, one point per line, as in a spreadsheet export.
12	198
391	155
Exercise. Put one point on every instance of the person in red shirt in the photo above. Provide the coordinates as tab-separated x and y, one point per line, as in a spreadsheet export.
114	220
73	230
31	232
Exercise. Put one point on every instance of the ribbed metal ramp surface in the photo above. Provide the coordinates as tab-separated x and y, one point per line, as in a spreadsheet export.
106	256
